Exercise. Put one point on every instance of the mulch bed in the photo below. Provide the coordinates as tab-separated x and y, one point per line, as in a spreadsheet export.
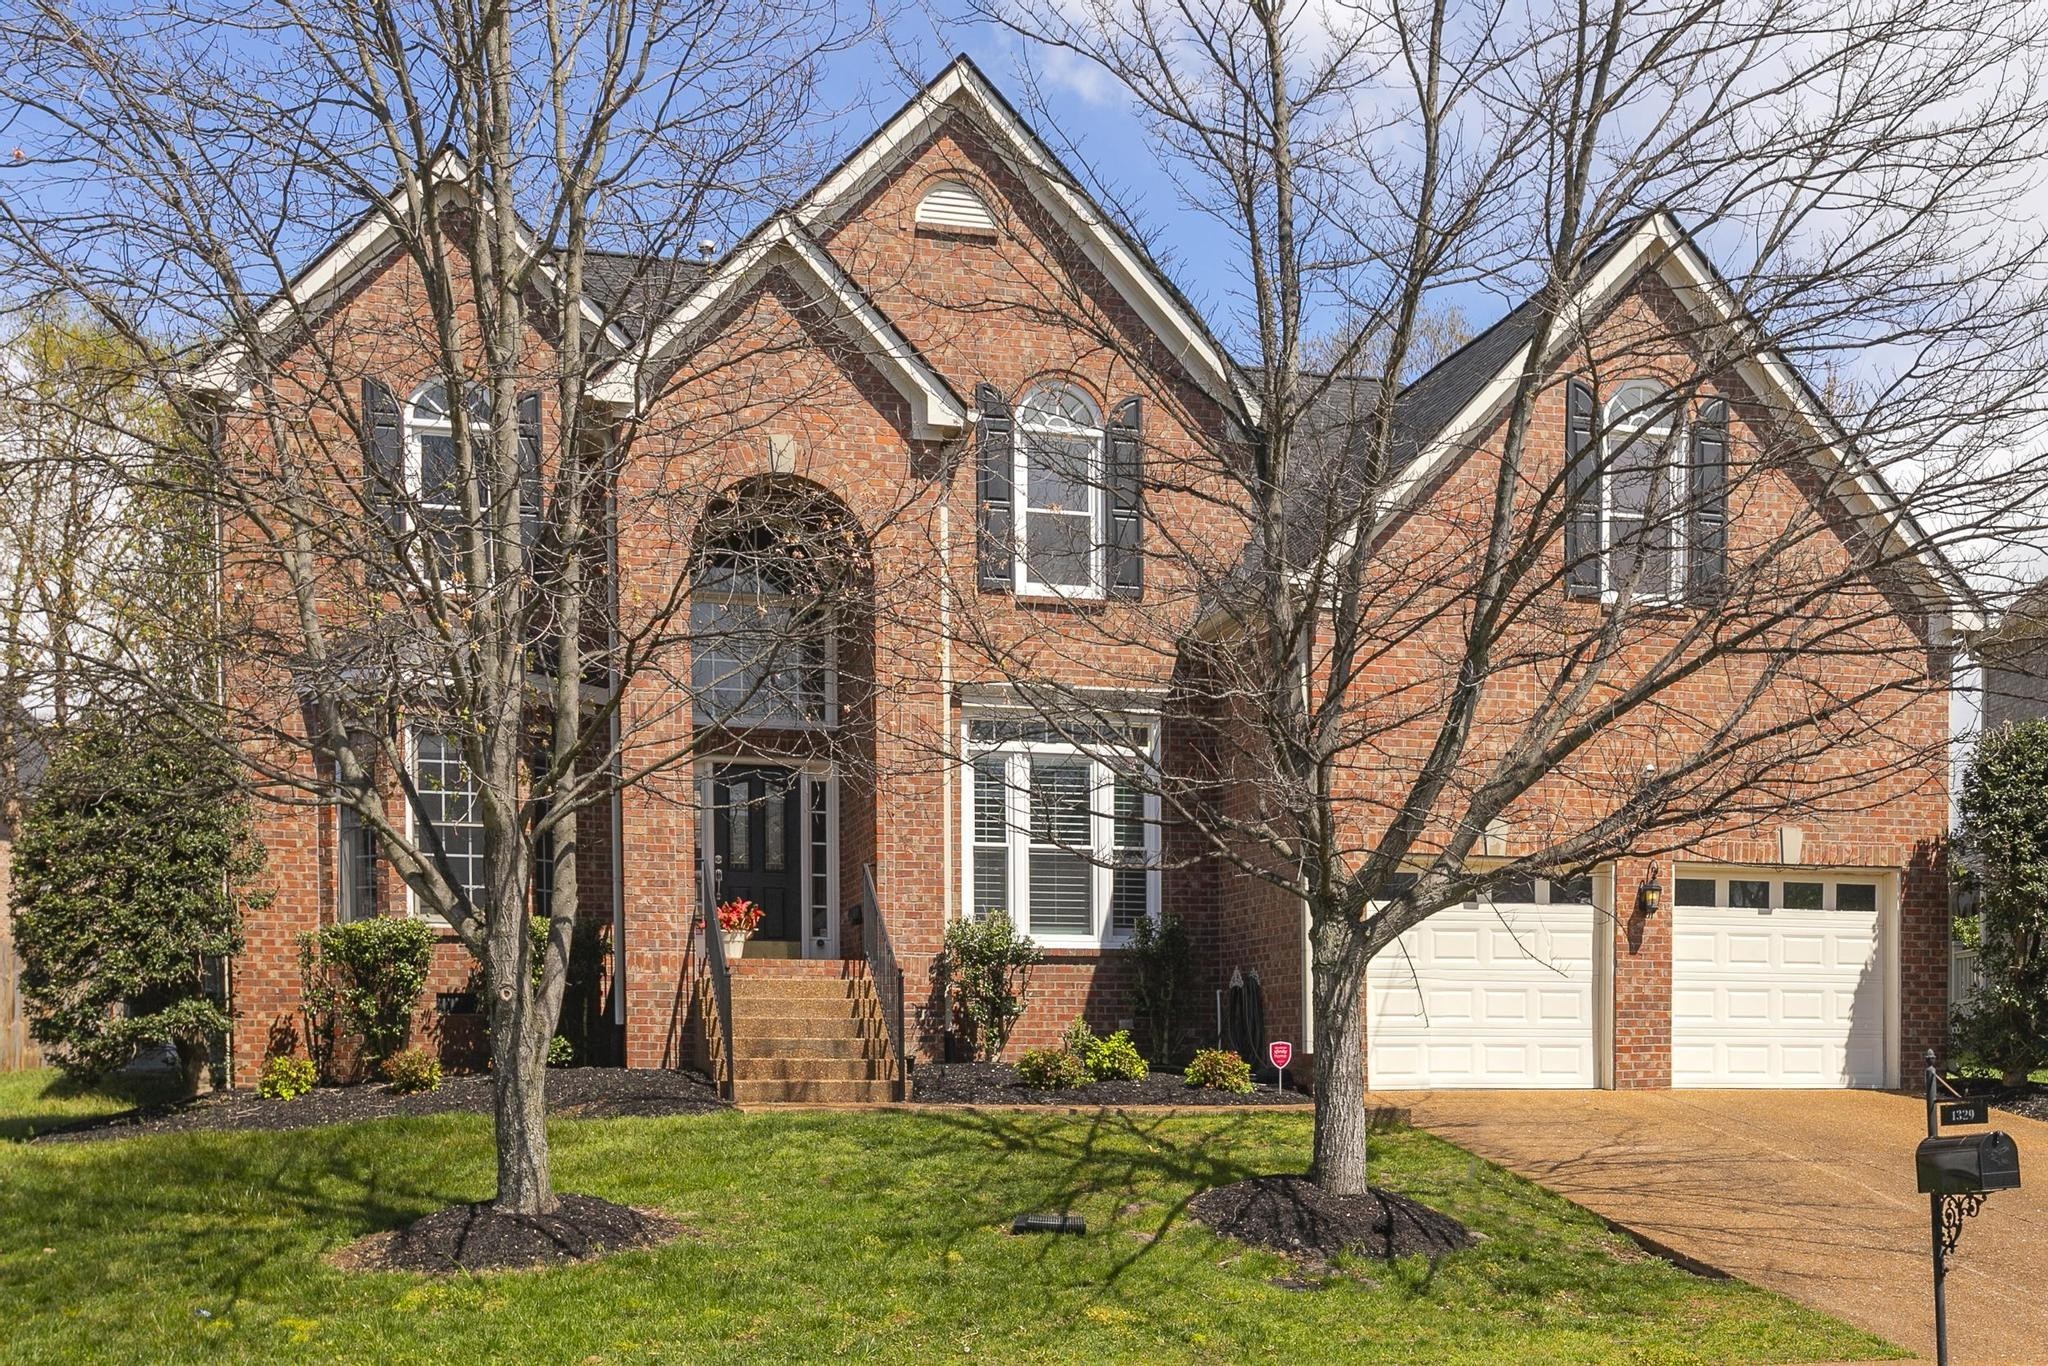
995	1083
1291	1215
2029	1100
478	1238
575	1092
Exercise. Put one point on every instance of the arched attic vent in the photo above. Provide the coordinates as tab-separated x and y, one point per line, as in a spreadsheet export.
955	206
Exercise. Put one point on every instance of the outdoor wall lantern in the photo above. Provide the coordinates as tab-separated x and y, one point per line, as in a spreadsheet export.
1650	895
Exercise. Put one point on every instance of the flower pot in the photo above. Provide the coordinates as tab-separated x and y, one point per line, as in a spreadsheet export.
735	941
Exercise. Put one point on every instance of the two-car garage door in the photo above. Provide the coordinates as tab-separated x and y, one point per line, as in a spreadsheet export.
1779	979
1489	995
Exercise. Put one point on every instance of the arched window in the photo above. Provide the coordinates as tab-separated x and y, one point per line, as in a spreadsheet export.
435	468
763	620
1059	471
1643	545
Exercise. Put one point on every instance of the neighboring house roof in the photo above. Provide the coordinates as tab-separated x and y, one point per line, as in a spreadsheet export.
1441	414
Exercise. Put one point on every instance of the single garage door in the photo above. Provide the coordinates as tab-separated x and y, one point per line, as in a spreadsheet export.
1494	995
1777	981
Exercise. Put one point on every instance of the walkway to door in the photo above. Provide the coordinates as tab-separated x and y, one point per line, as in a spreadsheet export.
1809	1193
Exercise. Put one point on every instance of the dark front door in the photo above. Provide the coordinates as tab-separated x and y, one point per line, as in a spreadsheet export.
759	815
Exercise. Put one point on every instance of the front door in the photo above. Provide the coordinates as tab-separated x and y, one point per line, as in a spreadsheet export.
757	813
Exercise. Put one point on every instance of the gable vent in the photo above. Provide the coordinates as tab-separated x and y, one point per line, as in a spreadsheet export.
953	205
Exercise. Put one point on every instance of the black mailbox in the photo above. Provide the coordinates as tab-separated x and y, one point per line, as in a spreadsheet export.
1967	1164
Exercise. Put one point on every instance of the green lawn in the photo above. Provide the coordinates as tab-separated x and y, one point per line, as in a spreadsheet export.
871	1235
39	1099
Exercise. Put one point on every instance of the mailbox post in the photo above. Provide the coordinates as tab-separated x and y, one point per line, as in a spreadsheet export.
1956	1173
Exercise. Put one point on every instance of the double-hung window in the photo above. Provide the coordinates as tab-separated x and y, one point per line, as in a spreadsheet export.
1061	829
449	802
438	484
1059	471
1644	548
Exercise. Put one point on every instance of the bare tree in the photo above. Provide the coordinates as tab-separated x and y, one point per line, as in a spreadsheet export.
396	249
1427	656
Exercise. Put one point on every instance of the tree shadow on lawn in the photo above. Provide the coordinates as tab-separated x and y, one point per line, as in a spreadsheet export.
1120	1157
64	1102
204	1215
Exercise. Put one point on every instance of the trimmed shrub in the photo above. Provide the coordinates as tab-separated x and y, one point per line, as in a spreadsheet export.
1050	1069
560	1052
412	1070
130	872
365	977
1078	1039
1165	966
285	1078
1115	1058
984	971
1219	1069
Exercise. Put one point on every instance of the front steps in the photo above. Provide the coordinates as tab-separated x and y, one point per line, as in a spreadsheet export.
807	1032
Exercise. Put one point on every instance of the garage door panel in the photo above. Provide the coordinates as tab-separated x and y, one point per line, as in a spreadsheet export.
1507	997
1776	999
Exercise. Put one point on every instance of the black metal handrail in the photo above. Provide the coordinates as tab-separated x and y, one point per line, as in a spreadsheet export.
720	972
886	974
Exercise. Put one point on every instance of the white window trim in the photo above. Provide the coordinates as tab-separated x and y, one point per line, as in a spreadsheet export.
1674	467
748	718
1102	833
1020	481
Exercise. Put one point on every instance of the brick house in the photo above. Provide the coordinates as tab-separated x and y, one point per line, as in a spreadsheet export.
921	391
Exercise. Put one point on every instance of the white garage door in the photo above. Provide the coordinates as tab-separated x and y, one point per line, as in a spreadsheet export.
1486	996
1777	982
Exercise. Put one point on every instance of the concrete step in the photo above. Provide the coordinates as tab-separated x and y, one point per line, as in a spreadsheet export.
793	989
748	1092
773	1023
801	1046
810	1069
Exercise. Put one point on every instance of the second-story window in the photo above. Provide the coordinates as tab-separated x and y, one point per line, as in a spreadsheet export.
1059	474
437	484
1644	549
761	625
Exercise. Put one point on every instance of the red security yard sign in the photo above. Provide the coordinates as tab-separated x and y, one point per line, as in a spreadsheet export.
1281	1052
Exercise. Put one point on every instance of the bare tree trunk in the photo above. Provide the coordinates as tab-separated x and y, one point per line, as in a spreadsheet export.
1338	1152
519	1114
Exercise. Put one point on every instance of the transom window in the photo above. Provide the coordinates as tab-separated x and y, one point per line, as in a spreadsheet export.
763	647
1061	837
436	469
1640	509
1059	471
1796	892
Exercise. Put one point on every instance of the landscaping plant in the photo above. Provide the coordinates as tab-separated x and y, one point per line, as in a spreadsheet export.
130	874
560	1052
286	1078
1114	1058
2003	842
367	976
1219	1069
1164	962
412	1070
1051	1069
985	969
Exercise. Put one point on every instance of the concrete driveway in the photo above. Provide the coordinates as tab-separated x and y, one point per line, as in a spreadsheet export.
1807	1192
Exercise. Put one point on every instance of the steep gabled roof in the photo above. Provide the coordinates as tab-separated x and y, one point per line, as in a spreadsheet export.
1441	414
935	410
962	90
227	369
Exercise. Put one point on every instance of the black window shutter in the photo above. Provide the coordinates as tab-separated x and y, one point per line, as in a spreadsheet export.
1123	508
386	481
529	468
1582	490
1707	565
994	464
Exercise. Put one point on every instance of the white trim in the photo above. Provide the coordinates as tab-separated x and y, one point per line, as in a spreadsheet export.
960	89
228	373
1660	243
1102	833
1020	478
935	411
